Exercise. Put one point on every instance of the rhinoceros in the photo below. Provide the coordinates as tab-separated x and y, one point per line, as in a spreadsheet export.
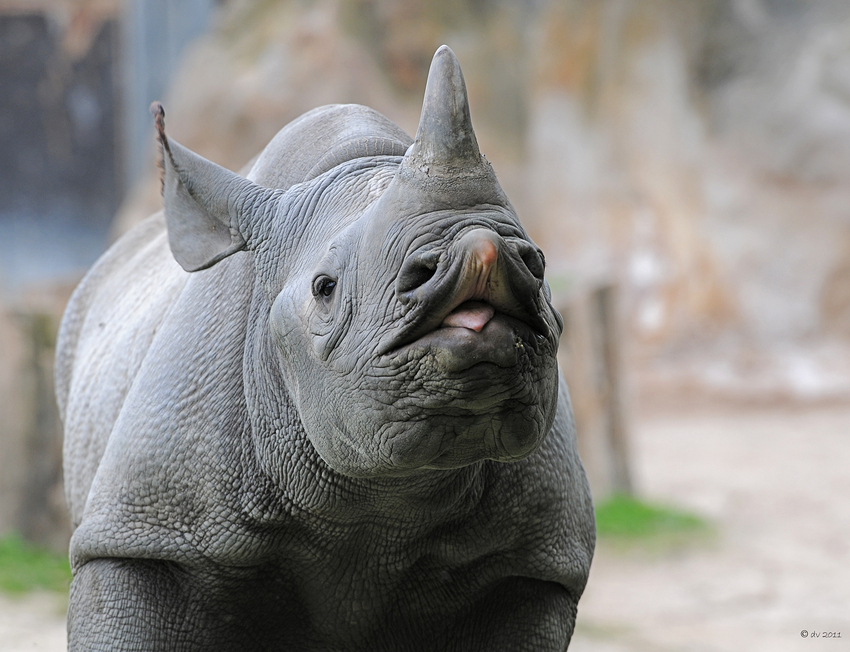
319	407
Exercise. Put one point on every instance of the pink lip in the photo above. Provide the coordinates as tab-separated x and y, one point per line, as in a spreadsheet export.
473	315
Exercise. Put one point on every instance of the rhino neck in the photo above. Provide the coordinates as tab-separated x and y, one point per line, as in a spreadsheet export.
300	481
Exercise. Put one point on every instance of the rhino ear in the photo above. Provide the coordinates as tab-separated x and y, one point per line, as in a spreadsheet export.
208	209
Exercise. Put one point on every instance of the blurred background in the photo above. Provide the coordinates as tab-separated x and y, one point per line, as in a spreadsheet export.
684	165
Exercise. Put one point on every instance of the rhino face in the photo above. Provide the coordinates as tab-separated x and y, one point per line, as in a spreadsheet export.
422	347
413	324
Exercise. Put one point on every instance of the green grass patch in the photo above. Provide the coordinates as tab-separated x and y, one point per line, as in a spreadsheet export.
628	521
25	567
559	283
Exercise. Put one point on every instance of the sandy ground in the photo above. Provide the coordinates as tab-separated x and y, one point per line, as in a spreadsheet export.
33	623
776	485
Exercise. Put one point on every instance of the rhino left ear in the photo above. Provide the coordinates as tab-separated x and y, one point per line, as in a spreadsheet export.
208	210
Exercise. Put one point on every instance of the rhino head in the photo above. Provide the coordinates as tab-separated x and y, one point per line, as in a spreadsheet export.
406	306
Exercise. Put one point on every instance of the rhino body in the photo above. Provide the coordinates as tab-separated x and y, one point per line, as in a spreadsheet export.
318	408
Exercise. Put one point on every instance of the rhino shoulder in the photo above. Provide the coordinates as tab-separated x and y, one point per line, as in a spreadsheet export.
105	334
170	482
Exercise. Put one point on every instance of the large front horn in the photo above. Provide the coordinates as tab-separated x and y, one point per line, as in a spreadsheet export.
445	144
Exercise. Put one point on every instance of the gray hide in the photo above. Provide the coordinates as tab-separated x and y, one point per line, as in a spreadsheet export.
345	428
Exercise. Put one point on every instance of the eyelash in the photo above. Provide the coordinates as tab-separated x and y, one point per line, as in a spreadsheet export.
323	286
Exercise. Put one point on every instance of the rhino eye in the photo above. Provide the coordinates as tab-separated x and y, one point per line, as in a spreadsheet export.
323	286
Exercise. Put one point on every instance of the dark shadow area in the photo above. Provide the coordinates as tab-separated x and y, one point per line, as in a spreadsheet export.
59	172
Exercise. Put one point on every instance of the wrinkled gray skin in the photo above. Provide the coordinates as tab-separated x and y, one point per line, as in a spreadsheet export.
347	430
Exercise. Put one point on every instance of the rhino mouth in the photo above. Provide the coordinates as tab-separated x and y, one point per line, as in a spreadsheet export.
476	300
472	315
466	332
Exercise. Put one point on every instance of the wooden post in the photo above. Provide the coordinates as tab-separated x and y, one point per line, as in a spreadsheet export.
606	301
32	500
591	360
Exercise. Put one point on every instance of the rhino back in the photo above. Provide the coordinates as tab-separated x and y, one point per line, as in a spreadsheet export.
323	138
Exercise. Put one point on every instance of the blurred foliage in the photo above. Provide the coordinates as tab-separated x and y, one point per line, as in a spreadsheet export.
25	567
625	520
560	283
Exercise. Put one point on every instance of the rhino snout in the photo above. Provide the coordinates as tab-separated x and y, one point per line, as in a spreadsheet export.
479	275
502	273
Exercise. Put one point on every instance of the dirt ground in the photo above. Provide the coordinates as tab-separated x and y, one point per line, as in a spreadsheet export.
33	623
776	485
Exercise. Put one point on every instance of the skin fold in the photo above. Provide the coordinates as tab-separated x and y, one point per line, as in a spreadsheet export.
319	408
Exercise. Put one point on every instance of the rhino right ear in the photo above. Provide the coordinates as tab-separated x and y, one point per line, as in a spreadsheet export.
209	211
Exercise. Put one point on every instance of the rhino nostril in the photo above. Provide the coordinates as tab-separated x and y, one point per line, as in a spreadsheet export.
533	259
417	270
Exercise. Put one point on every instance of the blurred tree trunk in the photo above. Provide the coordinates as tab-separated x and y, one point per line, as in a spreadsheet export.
31	492
591	361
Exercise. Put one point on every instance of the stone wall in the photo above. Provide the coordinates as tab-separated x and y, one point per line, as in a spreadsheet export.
697	153
59	164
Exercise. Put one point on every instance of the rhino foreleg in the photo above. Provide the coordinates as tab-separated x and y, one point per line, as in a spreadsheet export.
521	615
129	604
